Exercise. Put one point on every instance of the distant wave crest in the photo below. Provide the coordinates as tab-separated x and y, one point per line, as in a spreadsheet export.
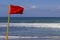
52	25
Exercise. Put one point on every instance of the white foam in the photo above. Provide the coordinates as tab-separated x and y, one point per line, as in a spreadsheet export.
52	25
14	37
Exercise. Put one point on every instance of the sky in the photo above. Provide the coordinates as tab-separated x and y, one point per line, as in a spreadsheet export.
32	8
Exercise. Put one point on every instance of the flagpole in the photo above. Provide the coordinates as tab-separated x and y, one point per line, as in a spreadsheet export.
7	29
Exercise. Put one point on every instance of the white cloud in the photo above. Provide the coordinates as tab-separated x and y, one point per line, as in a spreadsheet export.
33	6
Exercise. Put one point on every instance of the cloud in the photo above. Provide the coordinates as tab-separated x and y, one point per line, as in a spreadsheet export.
55	9
33	6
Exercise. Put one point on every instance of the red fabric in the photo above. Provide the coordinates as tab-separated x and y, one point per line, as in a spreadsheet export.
16	9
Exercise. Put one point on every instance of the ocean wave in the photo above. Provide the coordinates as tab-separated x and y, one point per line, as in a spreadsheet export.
14	37
51	25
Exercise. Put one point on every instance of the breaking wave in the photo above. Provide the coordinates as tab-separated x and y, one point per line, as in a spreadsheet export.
14	37
52	25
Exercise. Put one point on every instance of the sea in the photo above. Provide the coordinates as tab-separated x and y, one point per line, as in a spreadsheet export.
30	28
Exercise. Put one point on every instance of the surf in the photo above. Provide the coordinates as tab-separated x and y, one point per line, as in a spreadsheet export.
37	25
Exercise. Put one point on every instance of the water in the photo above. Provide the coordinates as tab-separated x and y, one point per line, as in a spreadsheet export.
31	28
32	19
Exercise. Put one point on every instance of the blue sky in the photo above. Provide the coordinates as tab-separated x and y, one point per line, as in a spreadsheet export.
33	8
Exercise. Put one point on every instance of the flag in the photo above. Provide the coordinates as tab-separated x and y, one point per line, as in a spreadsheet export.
13	9
16	9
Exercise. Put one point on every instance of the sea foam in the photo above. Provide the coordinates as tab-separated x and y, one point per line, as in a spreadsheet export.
14	37
51	25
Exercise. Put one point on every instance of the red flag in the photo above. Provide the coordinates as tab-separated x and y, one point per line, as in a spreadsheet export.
16	9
